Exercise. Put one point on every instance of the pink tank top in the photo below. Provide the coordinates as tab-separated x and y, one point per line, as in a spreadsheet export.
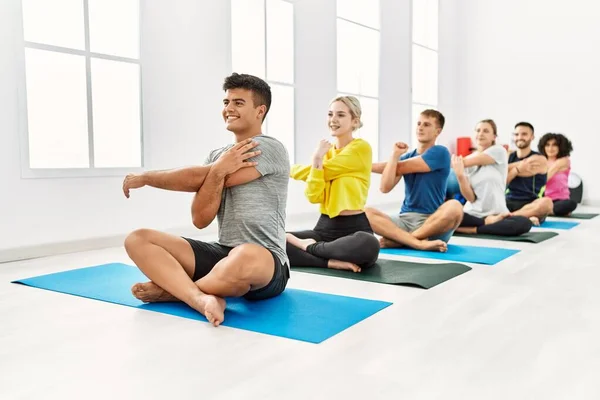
557	188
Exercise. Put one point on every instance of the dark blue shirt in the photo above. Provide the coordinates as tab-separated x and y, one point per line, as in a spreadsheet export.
525	188
425	192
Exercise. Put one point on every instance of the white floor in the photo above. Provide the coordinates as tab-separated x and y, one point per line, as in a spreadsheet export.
526	328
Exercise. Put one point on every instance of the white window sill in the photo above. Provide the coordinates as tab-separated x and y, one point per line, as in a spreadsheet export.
49	173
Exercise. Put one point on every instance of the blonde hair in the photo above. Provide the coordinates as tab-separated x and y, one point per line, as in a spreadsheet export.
353	105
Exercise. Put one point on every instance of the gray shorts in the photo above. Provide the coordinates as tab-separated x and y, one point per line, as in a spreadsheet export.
411	221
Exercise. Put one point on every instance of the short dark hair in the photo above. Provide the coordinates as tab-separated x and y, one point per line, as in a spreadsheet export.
435	114
565	147
526	124
261	91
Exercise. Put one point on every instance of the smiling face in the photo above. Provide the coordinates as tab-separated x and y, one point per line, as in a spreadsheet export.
523	137
239	111
484	135
340	120
551	148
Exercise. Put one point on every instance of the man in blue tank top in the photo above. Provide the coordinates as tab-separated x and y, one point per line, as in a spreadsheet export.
425	221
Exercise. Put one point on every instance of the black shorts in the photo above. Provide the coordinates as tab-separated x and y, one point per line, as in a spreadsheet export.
207	255
514	205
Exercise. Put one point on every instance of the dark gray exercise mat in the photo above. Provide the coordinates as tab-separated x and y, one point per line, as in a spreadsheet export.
578	216
393	272
531	237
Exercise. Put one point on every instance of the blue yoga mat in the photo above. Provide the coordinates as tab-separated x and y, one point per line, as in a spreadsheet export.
472	254
547	224
296	314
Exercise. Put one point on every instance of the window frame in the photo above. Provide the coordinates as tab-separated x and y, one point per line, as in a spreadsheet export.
23	113
359	96
271	82
414	103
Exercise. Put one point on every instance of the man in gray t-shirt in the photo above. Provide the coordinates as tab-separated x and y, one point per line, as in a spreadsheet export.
244	185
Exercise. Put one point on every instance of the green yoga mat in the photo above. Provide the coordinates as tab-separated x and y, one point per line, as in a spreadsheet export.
579	216
393	272
530	237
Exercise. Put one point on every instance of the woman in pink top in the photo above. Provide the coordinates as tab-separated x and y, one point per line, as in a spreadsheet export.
557	149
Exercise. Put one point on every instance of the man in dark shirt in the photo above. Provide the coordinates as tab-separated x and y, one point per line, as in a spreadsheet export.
526	179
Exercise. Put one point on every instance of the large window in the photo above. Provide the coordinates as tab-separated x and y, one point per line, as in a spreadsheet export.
424	58
358	61
82	86
263	45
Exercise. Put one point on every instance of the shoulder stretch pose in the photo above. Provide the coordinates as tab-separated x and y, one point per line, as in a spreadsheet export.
557	149
338	179
244	185
425	221
526	179
482	179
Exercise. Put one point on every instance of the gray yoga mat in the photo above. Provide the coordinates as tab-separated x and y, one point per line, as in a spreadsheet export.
530	237
394	272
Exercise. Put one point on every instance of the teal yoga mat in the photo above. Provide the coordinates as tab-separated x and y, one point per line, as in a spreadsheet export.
472	254
548	224
295	314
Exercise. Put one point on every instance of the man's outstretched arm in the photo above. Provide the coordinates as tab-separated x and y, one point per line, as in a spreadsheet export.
187	179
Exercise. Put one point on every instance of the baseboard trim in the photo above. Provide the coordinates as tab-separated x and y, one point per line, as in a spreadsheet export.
104	242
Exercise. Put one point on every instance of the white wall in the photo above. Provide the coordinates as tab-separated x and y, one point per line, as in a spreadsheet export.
185	56
532	60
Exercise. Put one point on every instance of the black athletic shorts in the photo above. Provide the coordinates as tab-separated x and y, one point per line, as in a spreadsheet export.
207	255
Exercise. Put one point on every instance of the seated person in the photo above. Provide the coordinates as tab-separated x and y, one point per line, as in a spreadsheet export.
239	184
526	178
482	179
425	221
338	179
557	149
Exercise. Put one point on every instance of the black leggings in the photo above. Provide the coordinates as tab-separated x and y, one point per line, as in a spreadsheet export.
344	238
564	207
511	226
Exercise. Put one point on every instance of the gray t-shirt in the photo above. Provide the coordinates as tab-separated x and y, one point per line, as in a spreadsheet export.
489	184
255	211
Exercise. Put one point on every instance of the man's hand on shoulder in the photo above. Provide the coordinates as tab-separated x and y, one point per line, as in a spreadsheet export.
236	158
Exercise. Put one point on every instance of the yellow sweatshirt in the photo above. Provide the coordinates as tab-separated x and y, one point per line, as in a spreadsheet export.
343	183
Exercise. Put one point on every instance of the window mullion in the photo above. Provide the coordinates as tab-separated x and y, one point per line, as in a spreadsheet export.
88	78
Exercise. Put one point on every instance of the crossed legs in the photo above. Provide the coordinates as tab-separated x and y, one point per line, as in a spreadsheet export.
446	218
539	208
169	262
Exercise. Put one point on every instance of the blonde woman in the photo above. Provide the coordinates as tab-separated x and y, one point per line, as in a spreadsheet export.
338	179
482	179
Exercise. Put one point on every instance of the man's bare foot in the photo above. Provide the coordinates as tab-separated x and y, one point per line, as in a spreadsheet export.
212	307
343	265
150	292
492	219
299	243
433	245
535	221
386	243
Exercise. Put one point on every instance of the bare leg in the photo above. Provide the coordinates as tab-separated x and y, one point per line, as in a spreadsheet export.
538	208
169	262
393	236
247	267
447	217
472	230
